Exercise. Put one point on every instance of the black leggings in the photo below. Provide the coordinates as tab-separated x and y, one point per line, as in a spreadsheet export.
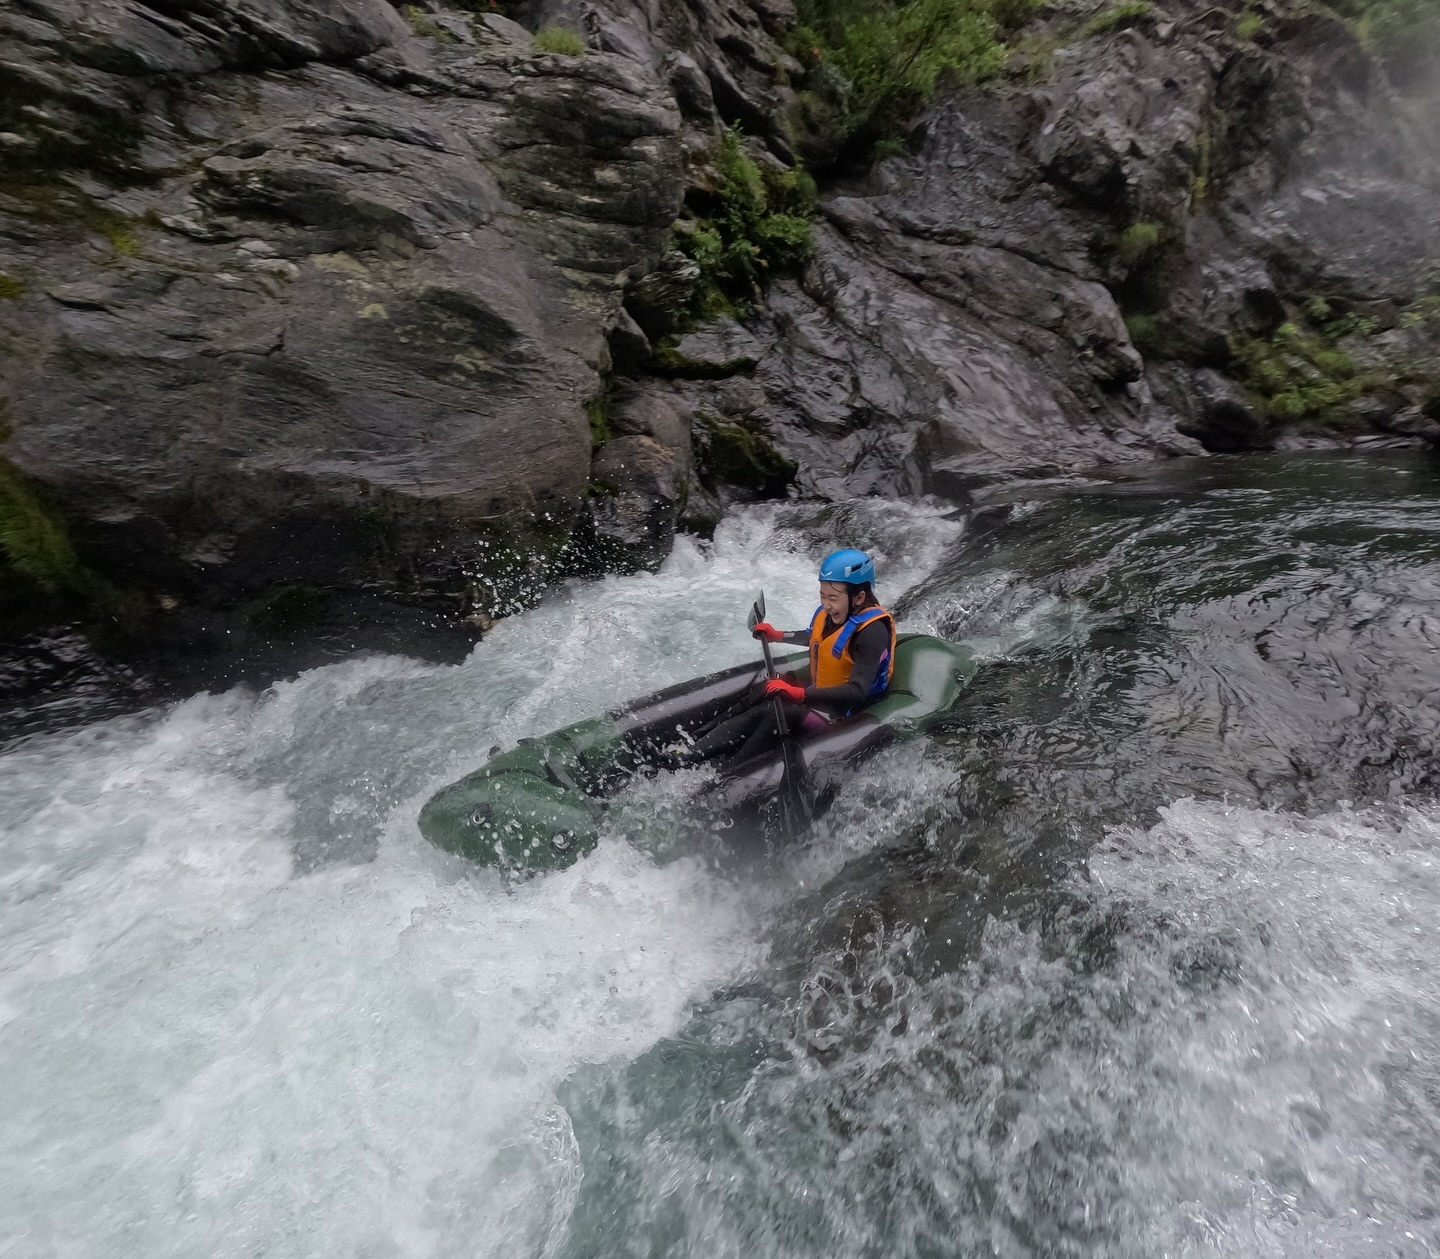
750	733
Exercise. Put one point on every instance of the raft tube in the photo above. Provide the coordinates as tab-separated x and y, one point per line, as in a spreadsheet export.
540	806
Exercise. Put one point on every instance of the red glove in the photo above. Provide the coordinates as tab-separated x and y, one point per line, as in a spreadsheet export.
785	690
763	629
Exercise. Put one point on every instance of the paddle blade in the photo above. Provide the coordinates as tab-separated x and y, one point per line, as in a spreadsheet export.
757	612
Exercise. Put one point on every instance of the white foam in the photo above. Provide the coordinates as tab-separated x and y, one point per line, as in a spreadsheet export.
204	1055
1305	1111
228	1026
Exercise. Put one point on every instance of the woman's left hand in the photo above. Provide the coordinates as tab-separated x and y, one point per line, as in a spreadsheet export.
779	688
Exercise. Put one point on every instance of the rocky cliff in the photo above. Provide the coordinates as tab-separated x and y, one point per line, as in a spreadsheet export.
332	295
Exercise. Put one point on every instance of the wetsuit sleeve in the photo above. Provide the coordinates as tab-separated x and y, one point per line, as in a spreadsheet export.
796	638
867	650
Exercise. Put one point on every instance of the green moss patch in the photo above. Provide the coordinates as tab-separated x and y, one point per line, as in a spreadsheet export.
11	288
1147	334
1422	312
559	40
1127	13
1249	25
1200	180
739	455
667	360
68	209
597	410
40	573
1136	241
425	26
34	541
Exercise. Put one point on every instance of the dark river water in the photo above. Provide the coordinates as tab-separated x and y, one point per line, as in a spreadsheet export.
1136	955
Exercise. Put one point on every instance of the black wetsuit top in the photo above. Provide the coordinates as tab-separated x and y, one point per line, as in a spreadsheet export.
868	646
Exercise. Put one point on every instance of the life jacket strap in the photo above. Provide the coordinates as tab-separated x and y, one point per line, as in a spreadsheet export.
858	621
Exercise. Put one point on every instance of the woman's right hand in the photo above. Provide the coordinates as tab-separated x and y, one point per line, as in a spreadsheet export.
765	630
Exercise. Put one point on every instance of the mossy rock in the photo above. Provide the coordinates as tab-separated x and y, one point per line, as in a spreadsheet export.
1300	373
738	455
34	541
41	576
511	567
1126	13
668	361
67	209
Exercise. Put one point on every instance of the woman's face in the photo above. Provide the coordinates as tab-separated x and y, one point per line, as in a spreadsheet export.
835	599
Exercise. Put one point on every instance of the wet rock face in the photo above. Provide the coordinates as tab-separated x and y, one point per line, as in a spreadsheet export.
328	302
968	315
1265	175
892	373
293	292
640	477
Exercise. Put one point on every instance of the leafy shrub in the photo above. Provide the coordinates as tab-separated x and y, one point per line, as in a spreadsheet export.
558	39
1403	34
1123	13
1301	373
426	26
751	225
871	64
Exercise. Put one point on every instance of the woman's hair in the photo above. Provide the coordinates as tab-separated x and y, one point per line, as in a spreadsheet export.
862	588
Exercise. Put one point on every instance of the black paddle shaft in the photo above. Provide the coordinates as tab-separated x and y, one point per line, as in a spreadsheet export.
757	614
797	794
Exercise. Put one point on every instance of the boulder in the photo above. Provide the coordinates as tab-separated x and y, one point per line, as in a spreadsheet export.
640	477
1213	409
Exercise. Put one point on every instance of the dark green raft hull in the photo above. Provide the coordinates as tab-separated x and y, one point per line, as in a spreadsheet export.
541	805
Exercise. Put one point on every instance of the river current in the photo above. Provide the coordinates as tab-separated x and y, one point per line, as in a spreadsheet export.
1136	955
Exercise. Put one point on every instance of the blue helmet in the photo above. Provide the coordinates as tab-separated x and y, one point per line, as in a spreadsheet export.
851	567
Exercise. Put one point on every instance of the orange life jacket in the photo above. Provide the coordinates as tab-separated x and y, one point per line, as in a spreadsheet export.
830	658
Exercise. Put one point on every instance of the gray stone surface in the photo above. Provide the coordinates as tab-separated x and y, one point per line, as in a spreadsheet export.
362	306
641	476
303	295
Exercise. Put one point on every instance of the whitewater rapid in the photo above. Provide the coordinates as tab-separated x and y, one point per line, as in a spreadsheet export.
1109	966
245	1009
